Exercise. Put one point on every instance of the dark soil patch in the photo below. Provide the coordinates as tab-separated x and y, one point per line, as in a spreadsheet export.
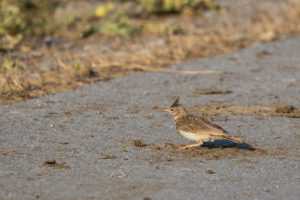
211	91
215	109
54	164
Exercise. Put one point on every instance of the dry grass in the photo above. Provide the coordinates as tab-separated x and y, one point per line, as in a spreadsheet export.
48	70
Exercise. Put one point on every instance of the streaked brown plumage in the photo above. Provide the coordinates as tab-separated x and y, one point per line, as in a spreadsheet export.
196	128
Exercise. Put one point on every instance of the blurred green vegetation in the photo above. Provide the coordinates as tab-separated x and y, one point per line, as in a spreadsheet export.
19	18
175	6
30	18
114	25
77	66
117	21
8	65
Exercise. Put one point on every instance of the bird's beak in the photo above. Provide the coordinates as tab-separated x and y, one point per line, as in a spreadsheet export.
161	108
165	108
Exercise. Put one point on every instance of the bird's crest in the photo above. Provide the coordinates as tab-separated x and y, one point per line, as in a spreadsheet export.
175	103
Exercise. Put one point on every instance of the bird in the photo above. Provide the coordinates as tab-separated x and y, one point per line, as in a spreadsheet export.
196	128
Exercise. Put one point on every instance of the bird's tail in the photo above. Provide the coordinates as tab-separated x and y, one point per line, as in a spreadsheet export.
234	139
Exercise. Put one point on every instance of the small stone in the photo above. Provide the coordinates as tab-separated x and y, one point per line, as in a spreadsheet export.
109	157
209	171
50	162
136	143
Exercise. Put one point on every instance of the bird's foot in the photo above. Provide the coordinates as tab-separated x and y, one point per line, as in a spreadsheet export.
190	146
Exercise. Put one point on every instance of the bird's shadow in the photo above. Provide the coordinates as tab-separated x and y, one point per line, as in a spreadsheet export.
228	144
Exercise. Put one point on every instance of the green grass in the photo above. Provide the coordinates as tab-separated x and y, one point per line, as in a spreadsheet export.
33	18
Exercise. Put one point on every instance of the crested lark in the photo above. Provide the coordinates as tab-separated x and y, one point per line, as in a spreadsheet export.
196	128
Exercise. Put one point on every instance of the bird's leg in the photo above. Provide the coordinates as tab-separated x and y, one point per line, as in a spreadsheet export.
191	145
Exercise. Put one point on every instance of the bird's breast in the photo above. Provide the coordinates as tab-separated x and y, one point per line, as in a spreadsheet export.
195	137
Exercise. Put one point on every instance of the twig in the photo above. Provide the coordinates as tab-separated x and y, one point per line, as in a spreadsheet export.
157	69
122	173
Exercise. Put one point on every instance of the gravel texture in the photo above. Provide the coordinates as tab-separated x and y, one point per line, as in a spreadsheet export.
103	136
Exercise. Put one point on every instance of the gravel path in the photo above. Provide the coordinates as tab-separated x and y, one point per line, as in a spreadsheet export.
85	143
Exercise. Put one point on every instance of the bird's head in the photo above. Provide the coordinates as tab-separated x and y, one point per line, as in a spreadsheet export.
176	109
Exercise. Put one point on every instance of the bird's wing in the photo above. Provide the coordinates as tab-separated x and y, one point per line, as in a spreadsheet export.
199	125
